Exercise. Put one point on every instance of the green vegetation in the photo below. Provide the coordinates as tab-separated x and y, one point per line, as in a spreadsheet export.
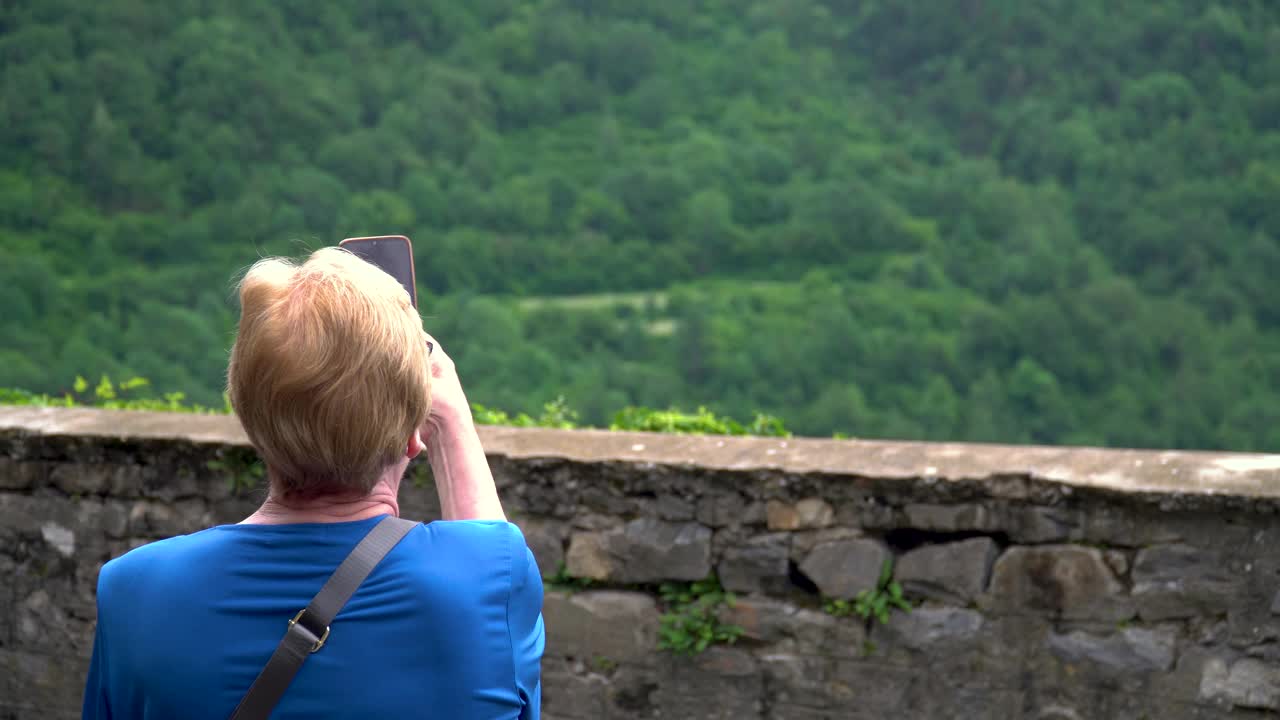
243	467
132	394
702	422
691	622
564	582
875	602
555	414
1049	222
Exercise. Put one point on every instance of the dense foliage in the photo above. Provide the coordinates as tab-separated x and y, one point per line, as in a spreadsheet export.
135	394
990	220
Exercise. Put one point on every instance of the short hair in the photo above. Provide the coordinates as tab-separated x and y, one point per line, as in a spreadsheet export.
329	373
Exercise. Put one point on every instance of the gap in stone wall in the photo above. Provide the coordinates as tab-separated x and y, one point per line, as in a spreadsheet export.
902	540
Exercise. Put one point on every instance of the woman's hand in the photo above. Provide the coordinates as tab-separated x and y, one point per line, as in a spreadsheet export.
463	479
448	402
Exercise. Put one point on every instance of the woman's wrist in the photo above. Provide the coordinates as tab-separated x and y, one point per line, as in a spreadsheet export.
450	418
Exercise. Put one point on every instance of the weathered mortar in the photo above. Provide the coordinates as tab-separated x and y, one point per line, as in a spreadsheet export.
1051	583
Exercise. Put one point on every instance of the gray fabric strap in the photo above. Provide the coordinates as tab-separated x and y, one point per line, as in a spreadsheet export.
309	629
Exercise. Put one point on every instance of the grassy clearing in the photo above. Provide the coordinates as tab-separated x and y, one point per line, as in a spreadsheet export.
665	327
596	301
637	301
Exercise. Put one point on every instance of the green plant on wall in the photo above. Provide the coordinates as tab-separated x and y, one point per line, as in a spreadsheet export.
702	422
691	623
555	414
875	602
564	582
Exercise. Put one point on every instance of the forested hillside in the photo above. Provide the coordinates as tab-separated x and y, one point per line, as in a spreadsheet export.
1051	222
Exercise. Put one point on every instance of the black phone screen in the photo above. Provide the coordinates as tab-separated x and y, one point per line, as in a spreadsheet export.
392	254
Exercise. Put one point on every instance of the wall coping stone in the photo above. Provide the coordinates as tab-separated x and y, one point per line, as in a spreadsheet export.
1164	473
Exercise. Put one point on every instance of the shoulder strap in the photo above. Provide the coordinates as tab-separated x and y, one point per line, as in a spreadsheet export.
309	629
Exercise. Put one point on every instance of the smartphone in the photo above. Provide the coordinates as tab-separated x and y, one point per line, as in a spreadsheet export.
392	253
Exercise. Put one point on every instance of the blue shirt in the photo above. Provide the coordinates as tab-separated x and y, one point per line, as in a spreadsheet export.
448	625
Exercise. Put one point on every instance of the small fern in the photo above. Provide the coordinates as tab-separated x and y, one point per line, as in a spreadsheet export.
691	623
875	602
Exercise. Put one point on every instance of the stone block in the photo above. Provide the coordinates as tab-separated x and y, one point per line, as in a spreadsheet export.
82	479
604	500
1065	581
570	692
1118	561
1022	523
756	566
130	480
721	509
1126	527
833	637
762	619
673	507
799	710
653	550
167	484
114	519
1245	683
595	521
25	514
866	688
754	513
781	516
1038	524
22	474
1180	581
954	572
930	629
1275	604
59	538
630	692
617	626
644	550
545	538
194	514
1008	645
795	678
589	556
966	702
842	568
1059	710
151	519
808	513
50	617
722	683
814	513
791	629
950	518
804	541
1131	650
34	685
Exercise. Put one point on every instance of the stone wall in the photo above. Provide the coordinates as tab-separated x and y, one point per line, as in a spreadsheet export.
1048	583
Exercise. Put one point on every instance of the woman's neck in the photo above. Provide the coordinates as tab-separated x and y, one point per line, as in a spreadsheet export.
276	510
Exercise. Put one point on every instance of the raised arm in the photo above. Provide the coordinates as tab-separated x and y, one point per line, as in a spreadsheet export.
463	479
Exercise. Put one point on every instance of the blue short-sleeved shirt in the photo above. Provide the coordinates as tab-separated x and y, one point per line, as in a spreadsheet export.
448	625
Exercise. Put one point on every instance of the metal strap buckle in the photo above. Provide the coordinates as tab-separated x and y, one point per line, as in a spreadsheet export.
319	643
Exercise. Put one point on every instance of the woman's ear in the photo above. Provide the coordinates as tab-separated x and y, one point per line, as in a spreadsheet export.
415	445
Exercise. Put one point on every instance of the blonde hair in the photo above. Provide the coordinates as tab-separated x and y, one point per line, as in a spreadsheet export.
329	373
